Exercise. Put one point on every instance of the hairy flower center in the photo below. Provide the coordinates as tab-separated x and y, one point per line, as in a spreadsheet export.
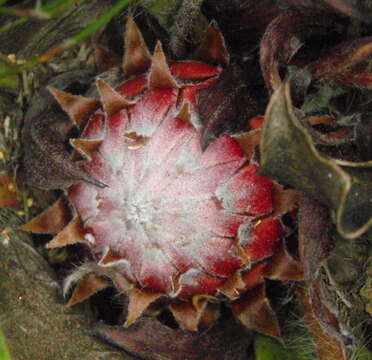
141	212
170	210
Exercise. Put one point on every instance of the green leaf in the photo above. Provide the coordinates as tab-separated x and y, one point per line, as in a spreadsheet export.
182	20
10	25
288	154
318	102
163	10
66	43
362	354
49	10
297	345
4	353
267	348
101	21
8	79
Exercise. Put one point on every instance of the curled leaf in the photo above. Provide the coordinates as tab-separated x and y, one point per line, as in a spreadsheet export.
281	41
228	99
315	244
347	63
334	300
315	238
46	164
151	340
359	9
329	347
289	155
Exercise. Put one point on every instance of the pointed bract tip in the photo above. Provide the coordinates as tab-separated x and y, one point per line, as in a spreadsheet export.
87	287
110	257
82	175
282	266
212	49
78	107
233	286
105	59
187	315
248	141
185	113
97	183
160	75
254	311
86	147
112	101
73	233
206	139
137	58
139	301
51	221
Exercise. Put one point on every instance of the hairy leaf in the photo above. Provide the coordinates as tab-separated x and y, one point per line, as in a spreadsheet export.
329	347
152	340
35	323
360	9
355	8
289	155
225	106
182	20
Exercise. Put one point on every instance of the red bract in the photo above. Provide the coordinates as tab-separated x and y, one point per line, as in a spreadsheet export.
169	224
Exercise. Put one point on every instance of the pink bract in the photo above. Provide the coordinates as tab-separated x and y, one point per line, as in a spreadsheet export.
168	225
182	221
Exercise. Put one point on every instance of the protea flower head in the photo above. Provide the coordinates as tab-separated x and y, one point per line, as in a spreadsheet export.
166	223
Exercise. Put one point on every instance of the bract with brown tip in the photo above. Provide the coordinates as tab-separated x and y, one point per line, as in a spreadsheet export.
176	223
